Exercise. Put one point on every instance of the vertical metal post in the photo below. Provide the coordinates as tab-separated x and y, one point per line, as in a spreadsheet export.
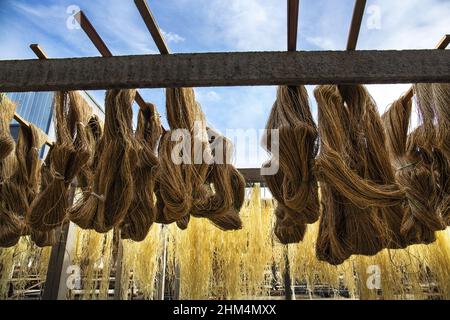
162	273
287	275
55	284
118	273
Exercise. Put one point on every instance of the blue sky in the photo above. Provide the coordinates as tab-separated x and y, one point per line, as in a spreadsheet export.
223	25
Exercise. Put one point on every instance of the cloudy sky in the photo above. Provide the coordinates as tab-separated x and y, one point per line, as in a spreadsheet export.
222	25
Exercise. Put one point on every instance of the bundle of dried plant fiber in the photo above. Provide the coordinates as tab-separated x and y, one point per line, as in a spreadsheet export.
113	187
7	158
358	190
44	238
181	181
86	176
11	226
69	155
294	185
221	201
433	102
196	264
140	263
413	174
225	265
93	254
18	264
23	186
142	211
94	132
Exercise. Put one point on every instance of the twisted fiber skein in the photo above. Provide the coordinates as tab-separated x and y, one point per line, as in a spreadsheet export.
69	155
294	185
180	184
412	173
221	201
85	179
352	192
142	211
11	226
7	159
113	187
441	95
433	104
44	238
376	156
19	191
94	132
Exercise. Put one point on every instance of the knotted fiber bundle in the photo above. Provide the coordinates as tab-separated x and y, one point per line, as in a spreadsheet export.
69	155
44	238
378	168
23	186
181	183
441	94
355	183
86	177
433	102
7	109
94	132
11	226
294	185
413	174
221	202
113	189
142	211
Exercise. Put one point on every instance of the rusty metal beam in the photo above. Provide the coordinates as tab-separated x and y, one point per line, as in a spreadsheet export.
355	27
292	24
101	46
152	26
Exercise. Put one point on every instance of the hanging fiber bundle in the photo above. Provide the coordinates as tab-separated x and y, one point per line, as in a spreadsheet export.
94	132
44	238
142	211
21	188
378	168
355	183
113	190
7	109
413	174
181	183
69	155
294	185
434	109
441	95
86	177
221	202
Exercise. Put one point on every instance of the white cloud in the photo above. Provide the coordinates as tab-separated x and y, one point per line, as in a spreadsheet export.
204	95
323	43
172	37
246	25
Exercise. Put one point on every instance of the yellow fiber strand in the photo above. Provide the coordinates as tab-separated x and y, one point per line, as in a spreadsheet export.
24	260
6	270
140	261
93	255
194	250
225	264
